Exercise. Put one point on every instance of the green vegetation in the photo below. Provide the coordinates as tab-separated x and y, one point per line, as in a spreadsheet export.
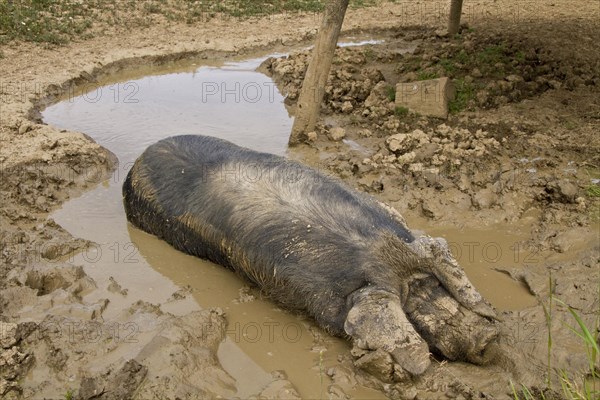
253	8
579	386
465	92
321	373
390	92
69	395
492	55
525	393
59	21
519	56
401	111
452	63
426	75
570	125
43	20
369	53
362	3
590	340
472	68
152	8
593	191
496	60
409	63
548	317
492	61
448	65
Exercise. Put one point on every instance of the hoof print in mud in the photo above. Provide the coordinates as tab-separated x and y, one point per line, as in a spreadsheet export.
314	246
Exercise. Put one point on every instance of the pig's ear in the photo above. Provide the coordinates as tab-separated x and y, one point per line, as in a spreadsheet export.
394	214
376	322
454	279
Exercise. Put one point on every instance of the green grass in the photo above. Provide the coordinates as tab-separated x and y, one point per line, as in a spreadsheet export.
152	8
321	373
524	393
401	111
548	316
485	60
390	92
303	5
589	340
43	20
450	63
593	191
462	57
69	395
59	21
581	385
410	63
465	92
577	386
492	54
369	53
426	75
519	56
362	3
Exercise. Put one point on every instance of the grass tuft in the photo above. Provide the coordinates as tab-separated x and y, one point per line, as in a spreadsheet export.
593	191
401	111
390	92
465	92
426	75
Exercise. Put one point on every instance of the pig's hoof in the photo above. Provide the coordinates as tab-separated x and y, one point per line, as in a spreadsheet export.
414	358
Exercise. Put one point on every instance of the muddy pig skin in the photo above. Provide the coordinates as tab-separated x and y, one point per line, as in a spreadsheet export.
306	240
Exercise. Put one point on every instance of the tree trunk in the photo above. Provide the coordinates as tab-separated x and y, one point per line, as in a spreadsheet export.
454	20
313	87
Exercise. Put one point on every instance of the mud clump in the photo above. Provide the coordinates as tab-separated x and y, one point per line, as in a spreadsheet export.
116	385
348	86
488	69
561	191
14	361
437	150
141	350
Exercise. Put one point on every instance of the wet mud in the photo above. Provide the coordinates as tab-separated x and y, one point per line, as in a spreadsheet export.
88	302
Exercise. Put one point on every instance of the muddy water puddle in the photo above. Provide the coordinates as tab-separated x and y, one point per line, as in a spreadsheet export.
487	254
126	113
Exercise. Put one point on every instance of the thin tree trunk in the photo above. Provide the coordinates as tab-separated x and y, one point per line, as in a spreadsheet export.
313	87
454	20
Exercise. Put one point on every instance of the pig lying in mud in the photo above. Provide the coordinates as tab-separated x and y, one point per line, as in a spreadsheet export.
314	246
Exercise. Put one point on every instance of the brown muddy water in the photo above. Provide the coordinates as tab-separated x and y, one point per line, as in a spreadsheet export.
229	100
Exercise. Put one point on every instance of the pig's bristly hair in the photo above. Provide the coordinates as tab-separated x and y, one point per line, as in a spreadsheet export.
305	239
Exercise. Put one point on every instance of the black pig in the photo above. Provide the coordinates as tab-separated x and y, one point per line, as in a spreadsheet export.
310	243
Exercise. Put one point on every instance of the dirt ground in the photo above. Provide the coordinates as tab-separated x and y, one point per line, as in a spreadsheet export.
521	148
